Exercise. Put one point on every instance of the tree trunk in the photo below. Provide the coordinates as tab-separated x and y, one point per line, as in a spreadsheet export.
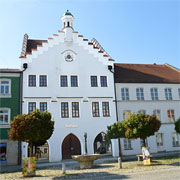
120	154
31	149
144	142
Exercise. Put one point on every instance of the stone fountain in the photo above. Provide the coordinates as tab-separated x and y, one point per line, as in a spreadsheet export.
86	161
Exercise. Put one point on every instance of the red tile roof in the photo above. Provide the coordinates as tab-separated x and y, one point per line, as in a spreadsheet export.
146	73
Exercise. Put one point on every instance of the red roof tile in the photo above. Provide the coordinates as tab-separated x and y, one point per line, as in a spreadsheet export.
146	73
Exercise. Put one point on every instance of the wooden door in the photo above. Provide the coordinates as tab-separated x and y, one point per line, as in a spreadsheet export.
70	146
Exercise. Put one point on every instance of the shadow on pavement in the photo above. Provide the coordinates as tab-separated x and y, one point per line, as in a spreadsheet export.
94	175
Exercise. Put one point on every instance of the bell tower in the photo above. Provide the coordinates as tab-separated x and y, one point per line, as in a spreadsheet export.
67	25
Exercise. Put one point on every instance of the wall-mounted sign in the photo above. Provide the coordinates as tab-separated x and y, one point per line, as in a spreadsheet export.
71	126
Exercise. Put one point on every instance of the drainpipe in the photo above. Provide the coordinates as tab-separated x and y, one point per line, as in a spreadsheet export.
21	99
117	119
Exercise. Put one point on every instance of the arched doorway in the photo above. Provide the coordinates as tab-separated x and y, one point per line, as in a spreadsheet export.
102	145
41	152
70	146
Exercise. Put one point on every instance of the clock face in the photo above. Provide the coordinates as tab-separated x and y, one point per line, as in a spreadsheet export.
69	57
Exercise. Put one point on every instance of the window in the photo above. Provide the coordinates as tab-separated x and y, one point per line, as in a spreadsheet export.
154	93
171	117
43	106
175	139
142	143
126	114
95	109
103	81
68	24
168	93
75	109
4	116
32	80
74	81
5	87
179	92
140	93
3	151
105	108
157	113
42	80
31	107
127	144
94	81
64	82
64	110
141	112
159	139
125	94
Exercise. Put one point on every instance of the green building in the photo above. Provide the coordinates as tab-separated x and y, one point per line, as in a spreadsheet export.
9	107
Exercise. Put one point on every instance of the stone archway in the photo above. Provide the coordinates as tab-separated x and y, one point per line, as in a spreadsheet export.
102	145
70	146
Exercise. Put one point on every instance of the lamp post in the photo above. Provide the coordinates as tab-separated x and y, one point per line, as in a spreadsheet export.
85	140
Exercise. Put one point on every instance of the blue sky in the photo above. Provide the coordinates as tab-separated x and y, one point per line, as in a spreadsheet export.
131	31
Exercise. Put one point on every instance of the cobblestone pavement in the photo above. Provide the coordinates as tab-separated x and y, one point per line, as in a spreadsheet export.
131	170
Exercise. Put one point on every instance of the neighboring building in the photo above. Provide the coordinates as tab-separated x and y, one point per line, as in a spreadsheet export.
69	77
9	107
152	89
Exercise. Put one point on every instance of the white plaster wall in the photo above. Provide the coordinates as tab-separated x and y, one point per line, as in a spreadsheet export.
148	105
50	61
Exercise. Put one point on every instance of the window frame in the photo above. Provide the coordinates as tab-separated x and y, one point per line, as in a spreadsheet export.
103	81
31	85
158	115
6	95
43	85
92	81
65	111
154	94
75	112
140	95
32	106
43	106
127	144
159	144
95	112
8	114
175	143
61	80
75	82
106	111
168	94
171	115
126	114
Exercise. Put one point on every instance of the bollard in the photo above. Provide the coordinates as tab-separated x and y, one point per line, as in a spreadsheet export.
119	163
63	168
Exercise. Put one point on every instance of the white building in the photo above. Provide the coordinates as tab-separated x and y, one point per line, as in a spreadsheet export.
69	76
152	89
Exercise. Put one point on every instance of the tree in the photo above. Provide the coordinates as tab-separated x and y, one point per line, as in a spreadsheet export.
141	126
177	125
117	131
34	128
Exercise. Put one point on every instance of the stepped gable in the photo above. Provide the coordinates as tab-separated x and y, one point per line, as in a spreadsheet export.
146	73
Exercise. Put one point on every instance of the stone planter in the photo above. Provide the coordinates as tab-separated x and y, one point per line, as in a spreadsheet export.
86	161
29	167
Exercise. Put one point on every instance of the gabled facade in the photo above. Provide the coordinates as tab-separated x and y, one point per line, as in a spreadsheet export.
9	107
69	77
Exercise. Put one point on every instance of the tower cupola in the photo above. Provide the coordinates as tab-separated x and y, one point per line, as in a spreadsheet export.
67	24
67	20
